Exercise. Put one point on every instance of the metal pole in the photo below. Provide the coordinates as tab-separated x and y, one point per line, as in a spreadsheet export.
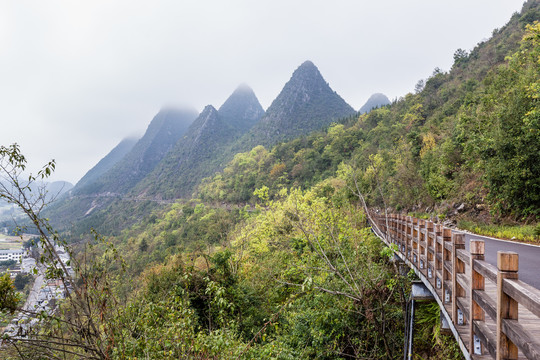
406	335
411	332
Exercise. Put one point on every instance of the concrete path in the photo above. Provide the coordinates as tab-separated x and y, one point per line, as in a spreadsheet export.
32	299
529	256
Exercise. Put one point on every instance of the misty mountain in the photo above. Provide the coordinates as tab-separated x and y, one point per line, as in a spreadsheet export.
164	131
105	164
306	103
375	101
242	109
203	149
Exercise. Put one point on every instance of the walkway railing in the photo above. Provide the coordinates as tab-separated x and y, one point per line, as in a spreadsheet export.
493	313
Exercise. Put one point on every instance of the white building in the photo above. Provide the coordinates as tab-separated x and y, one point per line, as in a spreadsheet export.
16	255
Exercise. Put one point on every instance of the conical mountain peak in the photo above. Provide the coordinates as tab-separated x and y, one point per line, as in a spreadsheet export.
308	73
306	103
207	118
243	88
242	109
208	110
376	100
308	67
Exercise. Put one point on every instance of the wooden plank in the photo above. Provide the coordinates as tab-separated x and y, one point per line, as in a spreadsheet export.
463	255
487	337
463	304
524	294
438	274
521	337
448	266
448	245
463	281
486	302
486	270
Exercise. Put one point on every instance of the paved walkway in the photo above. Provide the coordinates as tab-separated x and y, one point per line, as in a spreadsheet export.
529	256
32	299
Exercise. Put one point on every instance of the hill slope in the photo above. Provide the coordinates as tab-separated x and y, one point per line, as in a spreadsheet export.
105	164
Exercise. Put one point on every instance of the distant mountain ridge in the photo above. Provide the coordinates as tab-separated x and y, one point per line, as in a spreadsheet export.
179	148
202	150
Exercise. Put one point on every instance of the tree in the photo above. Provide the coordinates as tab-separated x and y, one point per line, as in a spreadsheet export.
79	329
9	299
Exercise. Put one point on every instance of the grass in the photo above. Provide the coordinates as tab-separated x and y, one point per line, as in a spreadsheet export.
525	233
426	216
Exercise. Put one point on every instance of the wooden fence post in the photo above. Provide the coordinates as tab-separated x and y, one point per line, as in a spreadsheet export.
427	254
438	261
507	308
413	236
402	225
409	235
477	283
430	264
421	227
458	242
447	259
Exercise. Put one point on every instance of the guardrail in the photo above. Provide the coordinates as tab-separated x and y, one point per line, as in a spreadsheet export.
494	313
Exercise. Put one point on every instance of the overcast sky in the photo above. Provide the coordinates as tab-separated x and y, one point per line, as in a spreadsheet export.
78	76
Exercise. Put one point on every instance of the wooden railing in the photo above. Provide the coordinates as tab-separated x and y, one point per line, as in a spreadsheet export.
492	311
